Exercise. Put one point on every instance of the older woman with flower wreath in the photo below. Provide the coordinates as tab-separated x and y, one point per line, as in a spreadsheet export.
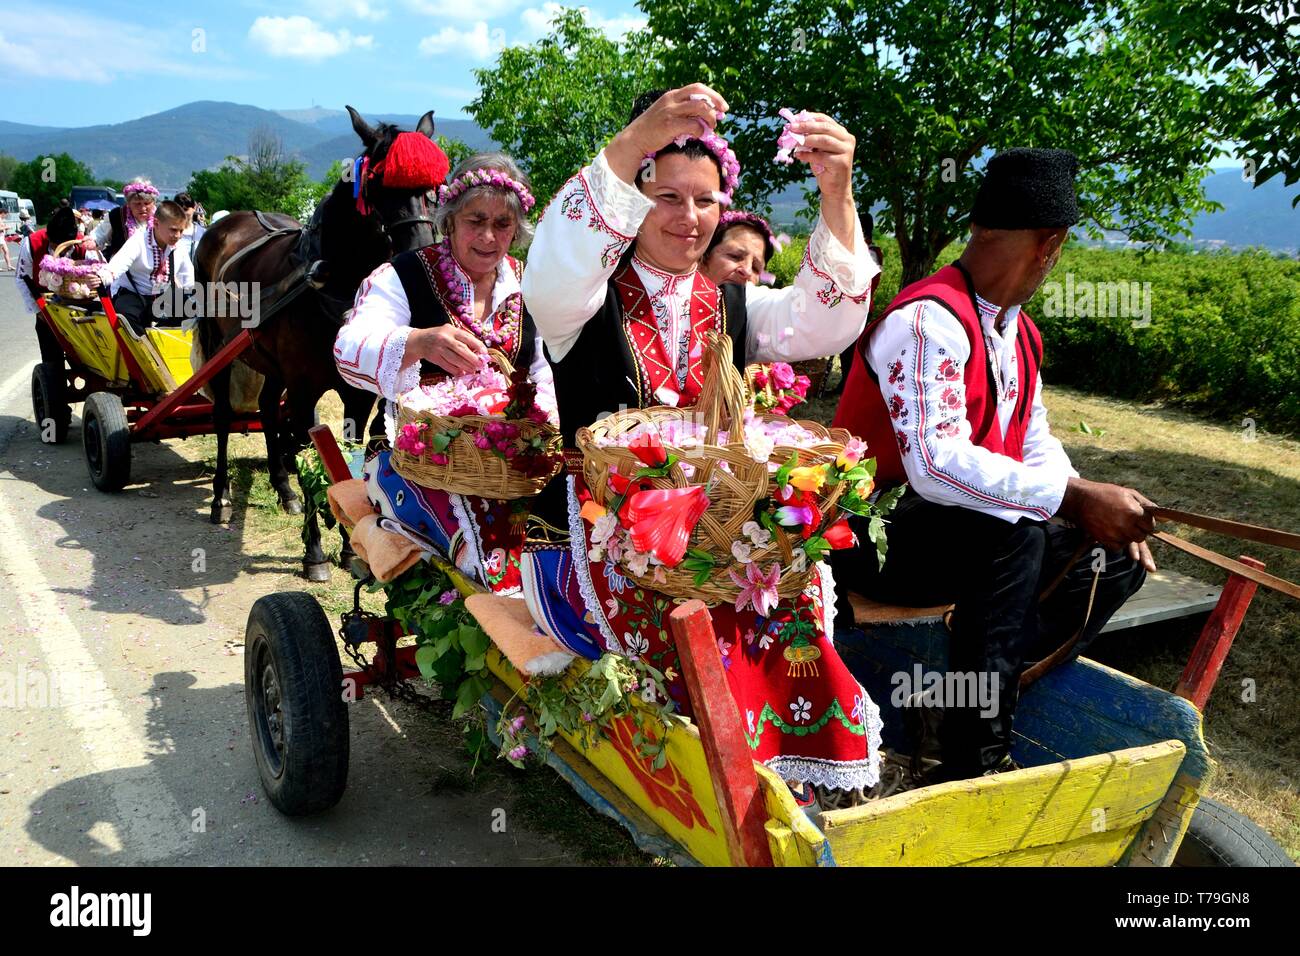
436	311
111	234
741	248
615	283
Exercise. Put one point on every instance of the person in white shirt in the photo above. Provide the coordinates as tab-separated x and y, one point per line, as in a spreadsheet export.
124	221
949	399
147	266
436	311
616	284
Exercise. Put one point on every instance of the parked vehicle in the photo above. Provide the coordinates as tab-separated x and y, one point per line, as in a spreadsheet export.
8	212
81	195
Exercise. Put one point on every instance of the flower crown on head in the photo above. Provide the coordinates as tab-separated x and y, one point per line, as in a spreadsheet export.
726	157
132	188
485	177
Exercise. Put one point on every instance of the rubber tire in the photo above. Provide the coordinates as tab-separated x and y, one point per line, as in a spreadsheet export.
48	387
289	633
106	441
1220	836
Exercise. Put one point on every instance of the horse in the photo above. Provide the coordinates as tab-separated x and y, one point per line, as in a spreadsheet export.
305	280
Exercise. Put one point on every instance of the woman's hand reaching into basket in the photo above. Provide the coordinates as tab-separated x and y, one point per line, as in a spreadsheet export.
451	348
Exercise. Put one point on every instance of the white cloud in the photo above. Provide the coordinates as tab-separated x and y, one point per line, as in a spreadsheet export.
335	9
137	50
477	41
536	22
460	10
301	38
16	58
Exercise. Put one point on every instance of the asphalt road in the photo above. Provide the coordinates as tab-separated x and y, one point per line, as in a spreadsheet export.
123	733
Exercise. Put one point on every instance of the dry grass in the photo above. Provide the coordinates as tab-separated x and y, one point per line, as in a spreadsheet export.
1185	462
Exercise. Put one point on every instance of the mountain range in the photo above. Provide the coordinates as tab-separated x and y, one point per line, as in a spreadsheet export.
169	147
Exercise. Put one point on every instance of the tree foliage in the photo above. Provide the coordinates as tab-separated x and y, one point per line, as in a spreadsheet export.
1257	42
7	166
47	179
266	179
554	104
930	88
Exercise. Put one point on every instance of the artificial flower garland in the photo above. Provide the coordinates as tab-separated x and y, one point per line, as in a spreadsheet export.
452	289
485	177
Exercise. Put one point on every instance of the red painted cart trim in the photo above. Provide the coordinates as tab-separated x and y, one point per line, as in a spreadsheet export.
714	711
173	400
1220	630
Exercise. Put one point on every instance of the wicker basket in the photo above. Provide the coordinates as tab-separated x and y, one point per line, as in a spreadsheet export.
736	489
471	470
84	269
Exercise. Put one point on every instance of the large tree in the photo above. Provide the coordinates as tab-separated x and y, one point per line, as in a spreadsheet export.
265	179
1260	41
931	87
554	104
47	179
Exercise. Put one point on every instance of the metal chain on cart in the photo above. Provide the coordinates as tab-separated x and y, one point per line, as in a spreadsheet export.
357	627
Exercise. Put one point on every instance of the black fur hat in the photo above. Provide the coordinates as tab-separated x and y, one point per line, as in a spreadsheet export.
1028	189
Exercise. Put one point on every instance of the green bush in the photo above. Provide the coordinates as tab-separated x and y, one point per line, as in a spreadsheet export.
1223	334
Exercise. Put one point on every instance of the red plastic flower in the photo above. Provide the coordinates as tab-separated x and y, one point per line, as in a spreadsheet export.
649	449
839	535
660	520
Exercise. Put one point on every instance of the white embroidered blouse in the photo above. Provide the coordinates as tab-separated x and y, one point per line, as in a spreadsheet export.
593	219
919	355
132	266
370	347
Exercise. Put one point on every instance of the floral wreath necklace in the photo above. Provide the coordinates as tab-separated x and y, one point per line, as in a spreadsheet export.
457	292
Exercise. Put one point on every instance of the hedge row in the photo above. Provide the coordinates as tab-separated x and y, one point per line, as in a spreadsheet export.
1216	331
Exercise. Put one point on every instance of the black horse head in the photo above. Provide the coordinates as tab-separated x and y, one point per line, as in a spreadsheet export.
348	239
404	215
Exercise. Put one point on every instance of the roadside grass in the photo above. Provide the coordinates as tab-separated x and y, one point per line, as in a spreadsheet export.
1252	723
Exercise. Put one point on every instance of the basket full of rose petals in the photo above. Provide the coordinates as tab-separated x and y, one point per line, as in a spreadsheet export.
720	502
481	434
65	276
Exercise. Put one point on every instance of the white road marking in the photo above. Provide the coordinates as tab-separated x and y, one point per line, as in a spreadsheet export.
151	824
22	377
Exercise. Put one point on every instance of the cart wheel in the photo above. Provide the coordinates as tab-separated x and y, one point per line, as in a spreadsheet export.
1220	836
48	404
293	686
106	440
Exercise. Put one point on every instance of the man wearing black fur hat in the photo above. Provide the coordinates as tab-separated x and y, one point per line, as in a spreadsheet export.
946	391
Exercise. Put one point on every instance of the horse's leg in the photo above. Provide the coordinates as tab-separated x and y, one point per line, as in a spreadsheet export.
302	414
268	408
357	404
222	413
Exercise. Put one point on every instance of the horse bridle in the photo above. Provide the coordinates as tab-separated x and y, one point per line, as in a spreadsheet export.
387	228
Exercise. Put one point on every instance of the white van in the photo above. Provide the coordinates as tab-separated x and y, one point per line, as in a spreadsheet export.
8	212
30	206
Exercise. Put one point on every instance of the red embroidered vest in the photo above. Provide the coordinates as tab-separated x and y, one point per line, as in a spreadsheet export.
864	411
656	369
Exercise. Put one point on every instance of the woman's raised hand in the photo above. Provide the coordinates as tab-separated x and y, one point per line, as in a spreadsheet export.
449	347
687	111
829	146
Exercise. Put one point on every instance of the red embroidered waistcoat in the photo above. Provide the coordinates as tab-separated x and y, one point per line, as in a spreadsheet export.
863	411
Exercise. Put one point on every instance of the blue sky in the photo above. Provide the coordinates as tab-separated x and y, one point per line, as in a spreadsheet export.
78	64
